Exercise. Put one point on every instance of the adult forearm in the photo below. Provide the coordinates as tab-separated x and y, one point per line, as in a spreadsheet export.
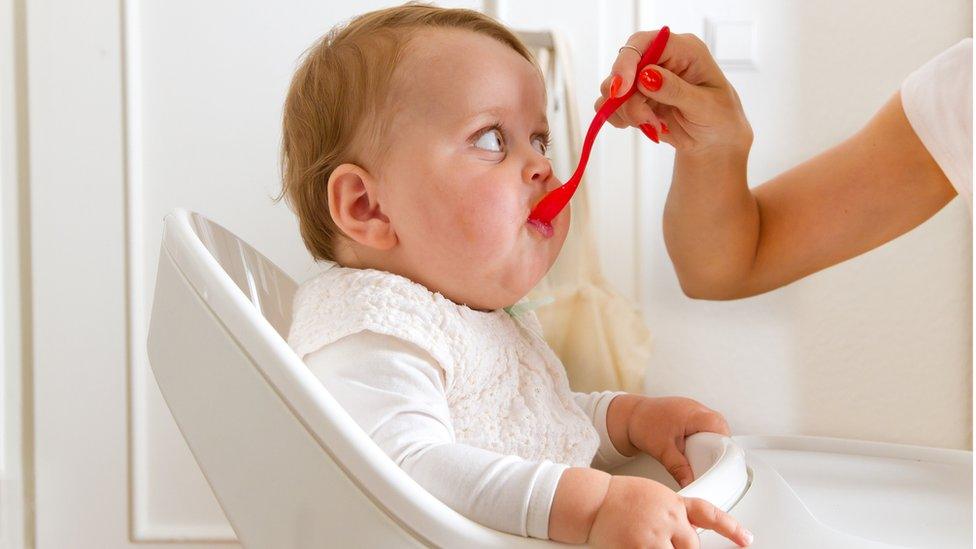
711	224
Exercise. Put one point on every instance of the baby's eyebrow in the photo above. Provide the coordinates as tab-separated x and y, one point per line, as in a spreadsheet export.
494	112
501	113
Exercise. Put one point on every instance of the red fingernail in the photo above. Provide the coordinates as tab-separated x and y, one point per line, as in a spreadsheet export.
650	132
664	128
615	85
651	79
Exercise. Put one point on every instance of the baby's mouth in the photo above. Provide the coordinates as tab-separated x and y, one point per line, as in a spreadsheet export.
544	228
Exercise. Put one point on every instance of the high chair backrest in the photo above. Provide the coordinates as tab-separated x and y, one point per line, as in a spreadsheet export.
289	467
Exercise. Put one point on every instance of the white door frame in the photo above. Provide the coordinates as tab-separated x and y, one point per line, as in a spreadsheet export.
16	439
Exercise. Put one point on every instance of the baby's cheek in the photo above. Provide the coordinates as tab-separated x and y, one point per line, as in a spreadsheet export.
484	232
488	216
561	224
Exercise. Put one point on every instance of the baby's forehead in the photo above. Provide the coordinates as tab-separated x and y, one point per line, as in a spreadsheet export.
453	71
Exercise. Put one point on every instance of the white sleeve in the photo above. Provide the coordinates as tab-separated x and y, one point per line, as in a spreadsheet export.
595	405
395	392
938	101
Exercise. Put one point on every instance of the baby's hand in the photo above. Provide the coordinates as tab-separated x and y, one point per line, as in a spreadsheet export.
638	512
658	427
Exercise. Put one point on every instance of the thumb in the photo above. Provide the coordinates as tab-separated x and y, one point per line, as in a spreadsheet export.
665	87
676	464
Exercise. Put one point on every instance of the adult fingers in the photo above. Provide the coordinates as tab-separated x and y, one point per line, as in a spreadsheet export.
684	54
646	119
705	515
625	65
664	86
637	110
671	130
615	120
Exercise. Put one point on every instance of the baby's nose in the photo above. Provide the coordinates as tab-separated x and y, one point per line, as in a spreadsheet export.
538	170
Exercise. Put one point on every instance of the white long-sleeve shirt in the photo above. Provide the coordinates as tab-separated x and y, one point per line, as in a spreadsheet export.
396	392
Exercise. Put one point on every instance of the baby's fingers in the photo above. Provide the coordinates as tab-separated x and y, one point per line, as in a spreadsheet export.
705	515
708	421
676	464
686	538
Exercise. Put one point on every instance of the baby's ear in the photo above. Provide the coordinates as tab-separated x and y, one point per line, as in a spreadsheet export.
355	207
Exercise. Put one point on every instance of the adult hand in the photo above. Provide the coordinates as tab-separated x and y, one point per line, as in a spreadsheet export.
684	100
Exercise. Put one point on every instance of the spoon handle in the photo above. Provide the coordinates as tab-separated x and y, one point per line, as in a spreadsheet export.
554	202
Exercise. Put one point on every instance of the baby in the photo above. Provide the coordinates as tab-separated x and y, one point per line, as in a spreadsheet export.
414	148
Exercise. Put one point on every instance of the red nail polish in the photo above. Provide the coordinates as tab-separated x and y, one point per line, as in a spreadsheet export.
664	128
650	132
651	79
615	85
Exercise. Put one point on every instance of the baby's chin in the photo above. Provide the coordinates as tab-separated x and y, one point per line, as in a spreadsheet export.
503	283
493	293
519	285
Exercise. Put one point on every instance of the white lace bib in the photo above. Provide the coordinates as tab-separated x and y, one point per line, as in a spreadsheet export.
506	390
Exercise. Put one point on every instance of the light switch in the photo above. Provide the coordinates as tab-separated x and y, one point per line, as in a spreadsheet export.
732	42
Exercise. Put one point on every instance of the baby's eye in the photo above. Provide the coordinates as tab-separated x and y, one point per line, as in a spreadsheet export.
541	144
491	140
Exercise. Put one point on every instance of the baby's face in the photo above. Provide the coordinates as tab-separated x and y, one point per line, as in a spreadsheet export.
465	165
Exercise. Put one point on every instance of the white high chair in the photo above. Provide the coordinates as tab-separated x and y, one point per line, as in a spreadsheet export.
289	467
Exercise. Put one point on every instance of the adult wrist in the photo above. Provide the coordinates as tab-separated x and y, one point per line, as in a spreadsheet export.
715	155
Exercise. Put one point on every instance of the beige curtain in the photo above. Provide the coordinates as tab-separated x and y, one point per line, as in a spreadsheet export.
597	333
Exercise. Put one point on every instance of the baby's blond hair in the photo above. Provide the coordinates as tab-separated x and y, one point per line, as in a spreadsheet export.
333	104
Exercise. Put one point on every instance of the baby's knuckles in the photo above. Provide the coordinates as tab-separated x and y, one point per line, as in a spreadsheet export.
665	411
656	423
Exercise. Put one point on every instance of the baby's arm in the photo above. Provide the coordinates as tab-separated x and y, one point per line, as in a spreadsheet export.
395	392
608	417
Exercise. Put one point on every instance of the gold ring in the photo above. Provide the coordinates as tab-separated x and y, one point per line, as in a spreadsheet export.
629	47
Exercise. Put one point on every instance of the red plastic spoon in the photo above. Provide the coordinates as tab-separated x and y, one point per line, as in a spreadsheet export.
554	202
